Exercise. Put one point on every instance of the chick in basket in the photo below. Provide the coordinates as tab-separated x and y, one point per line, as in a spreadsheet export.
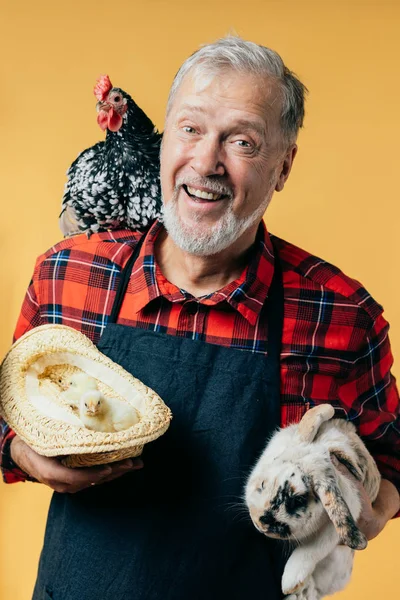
95	410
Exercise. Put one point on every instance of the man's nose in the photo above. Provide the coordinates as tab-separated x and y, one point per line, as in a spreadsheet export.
208	158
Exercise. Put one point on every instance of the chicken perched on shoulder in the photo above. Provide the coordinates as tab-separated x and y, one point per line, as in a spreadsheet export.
95	410
114	184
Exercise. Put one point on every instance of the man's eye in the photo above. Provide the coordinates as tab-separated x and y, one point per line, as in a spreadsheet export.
243	143
188	129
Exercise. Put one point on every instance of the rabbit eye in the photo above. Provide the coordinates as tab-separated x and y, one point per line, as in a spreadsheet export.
296	503
261	487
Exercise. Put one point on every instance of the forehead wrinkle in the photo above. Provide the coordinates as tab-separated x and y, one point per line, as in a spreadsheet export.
191	107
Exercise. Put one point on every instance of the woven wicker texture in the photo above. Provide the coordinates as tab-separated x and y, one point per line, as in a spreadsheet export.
33	377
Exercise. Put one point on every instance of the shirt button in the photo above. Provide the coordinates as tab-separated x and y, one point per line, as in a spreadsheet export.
191	307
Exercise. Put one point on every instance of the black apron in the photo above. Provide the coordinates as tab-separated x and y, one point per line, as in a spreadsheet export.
177	529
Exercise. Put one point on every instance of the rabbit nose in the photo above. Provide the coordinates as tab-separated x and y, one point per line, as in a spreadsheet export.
267	518
274	527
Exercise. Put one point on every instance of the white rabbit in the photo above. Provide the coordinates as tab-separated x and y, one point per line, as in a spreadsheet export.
294	493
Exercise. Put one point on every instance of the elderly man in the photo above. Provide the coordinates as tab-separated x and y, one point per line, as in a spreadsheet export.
237	331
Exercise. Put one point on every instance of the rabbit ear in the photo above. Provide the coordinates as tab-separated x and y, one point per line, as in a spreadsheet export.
332	500
348	462
312	421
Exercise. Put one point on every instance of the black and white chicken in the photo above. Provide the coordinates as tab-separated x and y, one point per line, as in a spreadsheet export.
115	183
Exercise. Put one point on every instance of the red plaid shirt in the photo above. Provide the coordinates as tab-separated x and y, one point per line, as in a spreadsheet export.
335	345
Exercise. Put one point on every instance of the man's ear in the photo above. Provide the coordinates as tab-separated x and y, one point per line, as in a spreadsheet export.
286	167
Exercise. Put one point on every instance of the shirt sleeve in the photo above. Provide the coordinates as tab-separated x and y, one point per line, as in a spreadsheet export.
371	399
28	319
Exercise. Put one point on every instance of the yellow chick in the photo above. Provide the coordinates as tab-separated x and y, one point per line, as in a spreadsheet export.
79	384
123	414
105	414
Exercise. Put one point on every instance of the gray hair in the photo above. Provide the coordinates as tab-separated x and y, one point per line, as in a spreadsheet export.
232	52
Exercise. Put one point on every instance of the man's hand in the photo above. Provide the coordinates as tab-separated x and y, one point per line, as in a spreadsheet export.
373	517
64	479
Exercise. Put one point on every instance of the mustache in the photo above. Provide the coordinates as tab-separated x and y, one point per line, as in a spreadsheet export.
212	184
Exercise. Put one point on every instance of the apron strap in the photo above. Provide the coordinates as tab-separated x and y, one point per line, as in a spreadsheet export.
123	284
275	313
275	305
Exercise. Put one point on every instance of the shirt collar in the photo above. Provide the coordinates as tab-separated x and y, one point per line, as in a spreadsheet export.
246	294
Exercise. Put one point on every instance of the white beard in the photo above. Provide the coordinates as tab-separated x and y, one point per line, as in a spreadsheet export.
209	240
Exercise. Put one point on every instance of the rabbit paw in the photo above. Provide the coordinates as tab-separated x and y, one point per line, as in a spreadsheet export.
297	571
307	592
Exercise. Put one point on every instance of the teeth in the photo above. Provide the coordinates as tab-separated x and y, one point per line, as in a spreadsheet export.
203	195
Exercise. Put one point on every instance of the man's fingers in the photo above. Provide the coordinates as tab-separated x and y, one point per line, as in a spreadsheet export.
63	479
99	475
66	480
122	467
84	475
54	474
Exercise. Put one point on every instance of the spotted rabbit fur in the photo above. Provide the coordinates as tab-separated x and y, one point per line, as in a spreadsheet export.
295	493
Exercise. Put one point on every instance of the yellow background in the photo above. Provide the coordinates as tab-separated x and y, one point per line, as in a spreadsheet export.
341	201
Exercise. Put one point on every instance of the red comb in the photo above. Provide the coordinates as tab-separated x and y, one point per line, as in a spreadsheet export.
102	87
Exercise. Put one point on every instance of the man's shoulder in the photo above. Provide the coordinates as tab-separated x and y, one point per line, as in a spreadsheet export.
107	245
309	271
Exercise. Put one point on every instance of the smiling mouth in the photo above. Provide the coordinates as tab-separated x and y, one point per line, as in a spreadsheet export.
203	196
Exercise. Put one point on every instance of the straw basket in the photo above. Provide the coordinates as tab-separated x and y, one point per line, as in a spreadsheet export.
34	375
